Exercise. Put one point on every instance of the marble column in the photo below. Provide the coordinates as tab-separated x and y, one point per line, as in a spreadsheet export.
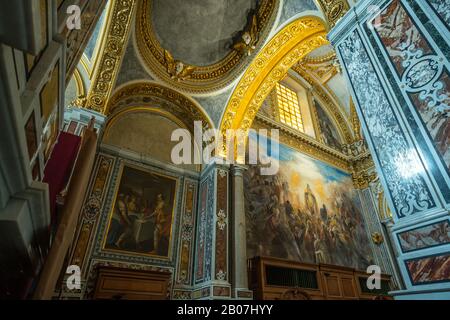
238	236
395	56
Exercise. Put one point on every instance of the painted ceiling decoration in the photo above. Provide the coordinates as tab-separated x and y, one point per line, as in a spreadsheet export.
156	96
202	46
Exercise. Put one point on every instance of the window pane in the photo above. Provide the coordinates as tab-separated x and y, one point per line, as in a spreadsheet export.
289	107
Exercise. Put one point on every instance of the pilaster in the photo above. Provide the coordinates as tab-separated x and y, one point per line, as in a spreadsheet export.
212	271
396	60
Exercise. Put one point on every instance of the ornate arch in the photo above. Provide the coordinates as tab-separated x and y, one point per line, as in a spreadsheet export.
158	97
270	66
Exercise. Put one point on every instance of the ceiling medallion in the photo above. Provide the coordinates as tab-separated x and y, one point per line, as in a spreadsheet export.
202	79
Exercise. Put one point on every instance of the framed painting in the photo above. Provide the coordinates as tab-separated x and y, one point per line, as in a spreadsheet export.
142	214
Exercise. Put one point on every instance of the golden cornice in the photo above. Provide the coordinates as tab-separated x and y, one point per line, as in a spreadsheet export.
305	144
270	66
111	53
145	93
329	102
334	10
363	170
322	59
204	78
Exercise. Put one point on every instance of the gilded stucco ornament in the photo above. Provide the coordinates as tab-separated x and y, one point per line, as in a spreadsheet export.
159	97
176	68
334	10
377	238
249	39
202	79
271	65
111	54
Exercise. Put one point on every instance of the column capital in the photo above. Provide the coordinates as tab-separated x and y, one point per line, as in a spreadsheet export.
238	169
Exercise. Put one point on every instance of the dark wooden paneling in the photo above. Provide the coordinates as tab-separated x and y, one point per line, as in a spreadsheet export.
126	284
331	283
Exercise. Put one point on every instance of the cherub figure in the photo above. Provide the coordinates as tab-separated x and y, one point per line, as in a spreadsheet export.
177	69
249	39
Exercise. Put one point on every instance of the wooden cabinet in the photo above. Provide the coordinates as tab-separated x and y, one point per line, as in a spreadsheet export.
273	279
338	284
127	284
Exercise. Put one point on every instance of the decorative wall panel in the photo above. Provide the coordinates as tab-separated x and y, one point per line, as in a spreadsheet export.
419	72
427	270
210	226
442	8
78	39
221	254
396	61
201	232
187	234
92	208
397	157
427	236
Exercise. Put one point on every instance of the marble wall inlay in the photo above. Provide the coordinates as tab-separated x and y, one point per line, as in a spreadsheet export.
431	235
442	8
396	156
432	269
419	71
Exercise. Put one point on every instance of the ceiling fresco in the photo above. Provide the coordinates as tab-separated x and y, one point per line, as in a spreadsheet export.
200	32
202	46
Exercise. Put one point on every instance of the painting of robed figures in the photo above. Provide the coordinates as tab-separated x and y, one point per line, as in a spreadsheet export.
142	214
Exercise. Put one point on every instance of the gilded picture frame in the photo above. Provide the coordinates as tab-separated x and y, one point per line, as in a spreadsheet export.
142	214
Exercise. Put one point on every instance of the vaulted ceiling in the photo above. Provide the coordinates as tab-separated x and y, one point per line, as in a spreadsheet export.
200	32
198	46
190	46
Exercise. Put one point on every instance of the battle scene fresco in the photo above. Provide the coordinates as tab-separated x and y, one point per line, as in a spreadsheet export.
141	218
308	212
